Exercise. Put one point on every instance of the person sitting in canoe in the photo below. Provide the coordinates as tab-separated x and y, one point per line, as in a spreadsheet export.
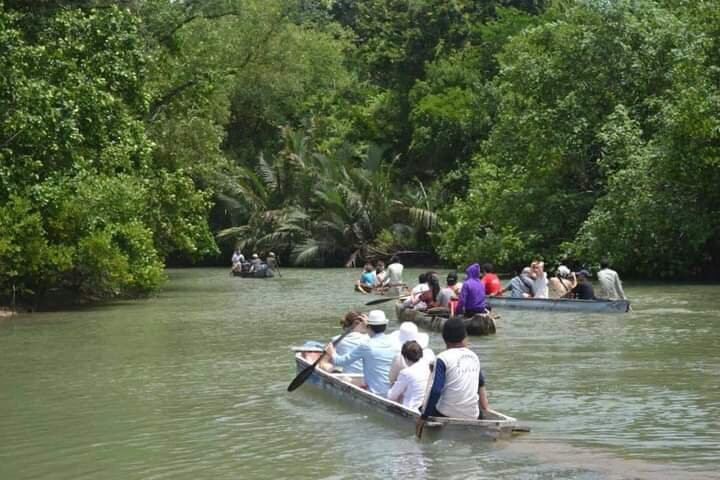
472	296
490	280
255	262
458	385
367	279
520	286
584	289
416	291
382	280
562	283
449	295
358	322
377	354
407	332
409	389
428	298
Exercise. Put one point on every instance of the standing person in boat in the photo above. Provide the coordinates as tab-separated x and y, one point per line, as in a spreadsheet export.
562	283
367	279
395	274
520	286
540	280
610	285
272	262
412	380
408	331
584	289
358	336
237	260
490	280
458	385
377	354
472	295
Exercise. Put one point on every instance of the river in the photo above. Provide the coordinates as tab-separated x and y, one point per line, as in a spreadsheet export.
191	385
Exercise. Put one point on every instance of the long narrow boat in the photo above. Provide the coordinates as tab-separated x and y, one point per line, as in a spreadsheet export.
560	304
266	273
494	424
481	324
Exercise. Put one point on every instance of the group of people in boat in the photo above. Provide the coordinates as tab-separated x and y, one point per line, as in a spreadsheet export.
469	296
240	264
376	278
401	367
533	282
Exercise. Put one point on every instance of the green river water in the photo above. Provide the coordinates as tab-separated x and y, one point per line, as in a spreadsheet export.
191	385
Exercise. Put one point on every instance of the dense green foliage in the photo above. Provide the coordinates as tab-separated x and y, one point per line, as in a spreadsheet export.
335	131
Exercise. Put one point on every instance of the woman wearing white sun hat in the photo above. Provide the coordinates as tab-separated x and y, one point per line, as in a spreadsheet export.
408	331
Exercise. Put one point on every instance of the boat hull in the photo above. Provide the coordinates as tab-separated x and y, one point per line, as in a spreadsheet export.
261	274
560	304
481	324
494	425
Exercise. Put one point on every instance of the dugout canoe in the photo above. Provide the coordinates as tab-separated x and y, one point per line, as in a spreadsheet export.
481	324
494	425
560	304
267	273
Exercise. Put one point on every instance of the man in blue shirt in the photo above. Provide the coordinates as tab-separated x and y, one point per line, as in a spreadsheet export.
377	354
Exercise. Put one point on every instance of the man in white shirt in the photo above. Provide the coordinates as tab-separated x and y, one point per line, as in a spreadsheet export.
610	285
540	280
458	386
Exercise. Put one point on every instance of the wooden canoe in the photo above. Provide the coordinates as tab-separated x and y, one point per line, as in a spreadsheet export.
267	273
494	424
560	304
481	324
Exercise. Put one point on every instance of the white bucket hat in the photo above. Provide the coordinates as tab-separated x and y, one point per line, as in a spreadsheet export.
409	331
377	317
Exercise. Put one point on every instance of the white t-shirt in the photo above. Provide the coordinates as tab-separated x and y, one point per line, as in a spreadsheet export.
460	397
395	271
411	385
540	286
399	363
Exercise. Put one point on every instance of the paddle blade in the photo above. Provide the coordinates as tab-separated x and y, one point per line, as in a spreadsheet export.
383	300
301	377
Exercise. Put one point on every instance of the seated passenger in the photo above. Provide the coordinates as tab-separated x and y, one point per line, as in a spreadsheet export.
540	280
381	276
409	331
255	262
412	381
377	354
416	291
520	286
367	279
490	280
584	289
458	386
472	295
429	297
562	283
358	336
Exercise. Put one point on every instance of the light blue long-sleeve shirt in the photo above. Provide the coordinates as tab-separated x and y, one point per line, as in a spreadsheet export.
377	356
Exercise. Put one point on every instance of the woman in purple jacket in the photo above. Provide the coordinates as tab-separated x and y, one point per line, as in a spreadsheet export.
472	295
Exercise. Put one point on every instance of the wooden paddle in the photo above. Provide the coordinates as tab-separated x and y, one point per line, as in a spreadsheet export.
383	300
307	371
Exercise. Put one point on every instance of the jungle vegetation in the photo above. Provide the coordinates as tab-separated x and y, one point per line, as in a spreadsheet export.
140	133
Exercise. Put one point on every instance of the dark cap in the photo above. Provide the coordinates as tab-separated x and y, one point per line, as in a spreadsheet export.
451	278
454	330
584	273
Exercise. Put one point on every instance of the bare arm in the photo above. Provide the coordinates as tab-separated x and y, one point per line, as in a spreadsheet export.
483	398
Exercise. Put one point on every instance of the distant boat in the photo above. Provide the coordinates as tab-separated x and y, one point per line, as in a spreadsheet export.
560	304
266	273
494	424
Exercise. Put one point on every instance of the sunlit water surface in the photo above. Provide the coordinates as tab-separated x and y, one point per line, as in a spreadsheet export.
191	384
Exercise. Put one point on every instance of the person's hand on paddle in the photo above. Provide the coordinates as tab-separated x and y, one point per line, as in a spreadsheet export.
330	350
